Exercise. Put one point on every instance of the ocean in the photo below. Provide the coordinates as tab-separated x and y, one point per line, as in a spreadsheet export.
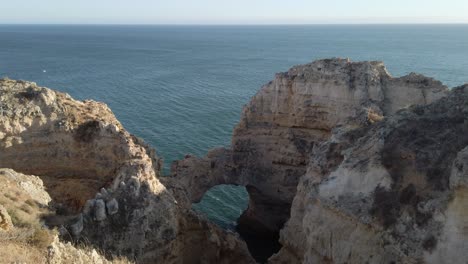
182	88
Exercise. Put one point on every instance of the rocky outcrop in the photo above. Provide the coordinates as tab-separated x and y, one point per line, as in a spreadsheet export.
15	246
391	192
378	162
103	181
362	167
60	252
66	142
289	117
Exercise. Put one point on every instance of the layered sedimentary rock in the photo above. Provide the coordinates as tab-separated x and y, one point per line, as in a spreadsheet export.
286	119
391	192
379	161
67	142
103	181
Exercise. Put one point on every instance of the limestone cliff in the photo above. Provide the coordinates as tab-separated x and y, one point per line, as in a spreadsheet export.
351	164
283	123
22	201
391	192
375	165
103	181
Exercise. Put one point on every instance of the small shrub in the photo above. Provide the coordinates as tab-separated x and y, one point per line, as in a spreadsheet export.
25	208
386	206
11	197
41	238
422	218
16	220
407	194
430	243
31	203
86	132
29	94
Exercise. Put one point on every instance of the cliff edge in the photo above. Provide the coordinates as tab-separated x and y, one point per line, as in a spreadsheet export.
103	182
352	164
343	163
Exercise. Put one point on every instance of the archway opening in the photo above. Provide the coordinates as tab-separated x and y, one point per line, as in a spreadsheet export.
224	205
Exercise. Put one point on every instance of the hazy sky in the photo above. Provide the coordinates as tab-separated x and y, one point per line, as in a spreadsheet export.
233	12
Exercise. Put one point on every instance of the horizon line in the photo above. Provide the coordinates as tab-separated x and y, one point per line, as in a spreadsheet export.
236	24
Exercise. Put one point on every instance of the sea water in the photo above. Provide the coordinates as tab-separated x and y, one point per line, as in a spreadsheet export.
182	88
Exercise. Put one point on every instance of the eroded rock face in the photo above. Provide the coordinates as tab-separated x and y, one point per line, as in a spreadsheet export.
286	119
49	134
394	196
105	178
60	252
14	250
289	116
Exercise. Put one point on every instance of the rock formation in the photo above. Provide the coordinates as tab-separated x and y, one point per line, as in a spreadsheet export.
376	165
103	181
15	247
351	164
391	192
289	117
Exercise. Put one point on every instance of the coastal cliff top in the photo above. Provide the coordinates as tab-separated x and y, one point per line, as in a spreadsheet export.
21	101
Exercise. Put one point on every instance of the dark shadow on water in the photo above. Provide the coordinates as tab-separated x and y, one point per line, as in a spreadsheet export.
261	246
224	205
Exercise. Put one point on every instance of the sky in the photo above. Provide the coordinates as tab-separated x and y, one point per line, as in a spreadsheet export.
232	12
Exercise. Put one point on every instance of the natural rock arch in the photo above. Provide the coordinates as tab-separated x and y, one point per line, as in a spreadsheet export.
262	243
275	139
223	204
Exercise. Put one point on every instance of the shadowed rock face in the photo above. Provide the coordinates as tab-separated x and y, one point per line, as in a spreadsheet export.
105	179
286	120
392	197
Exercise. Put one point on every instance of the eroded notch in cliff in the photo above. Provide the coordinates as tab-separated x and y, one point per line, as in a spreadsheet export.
229	206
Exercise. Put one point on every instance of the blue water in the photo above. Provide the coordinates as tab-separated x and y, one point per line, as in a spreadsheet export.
182	88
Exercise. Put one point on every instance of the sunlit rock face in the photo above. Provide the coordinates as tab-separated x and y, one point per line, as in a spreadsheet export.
46	133
103	181
285	120
390	192
289	117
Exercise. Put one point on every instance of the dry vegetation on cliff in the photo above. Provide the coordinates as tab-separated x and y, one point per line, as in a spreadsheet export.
25	239
25	236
